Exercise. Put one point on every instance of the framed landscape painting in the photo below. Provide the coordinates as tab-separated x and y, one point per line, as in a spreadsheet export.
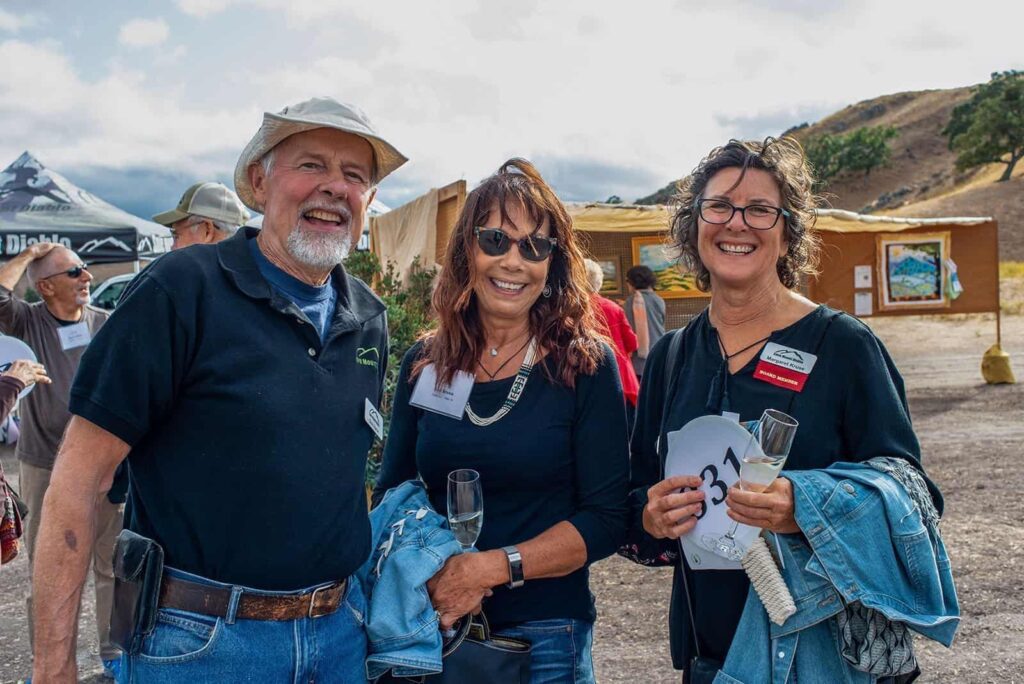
611	268
911	270
653	253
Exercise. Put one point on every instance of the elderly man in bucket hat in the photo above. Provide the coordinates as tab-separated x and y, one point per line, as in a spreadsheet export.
207	213
241	383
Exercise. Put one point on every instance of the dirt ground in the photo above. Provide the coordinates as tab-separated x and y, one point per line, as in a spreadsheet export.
972	437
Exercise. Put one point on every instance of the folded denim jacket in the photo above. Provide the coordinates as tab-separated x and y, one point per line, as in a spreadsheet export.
863	540
411	543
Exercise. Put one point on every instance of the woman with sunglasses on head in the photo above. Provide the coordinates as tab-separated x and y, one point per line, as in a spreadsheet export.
544	424
742	226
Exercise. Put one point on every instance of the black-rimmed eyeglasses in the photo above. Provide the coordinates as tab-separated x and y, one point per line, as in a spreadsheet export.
755	216
72	273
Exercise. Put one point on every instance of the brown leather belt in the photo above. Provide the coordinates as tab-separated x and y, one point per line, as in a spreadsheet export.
210	600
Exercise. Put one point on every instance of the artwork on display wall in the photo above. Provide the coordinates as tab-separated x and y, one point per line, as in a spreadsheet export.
611	268
651	251
911	270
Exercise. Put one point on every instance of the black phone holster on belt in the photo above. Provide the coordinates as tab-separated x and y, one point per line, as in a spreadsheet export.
138	570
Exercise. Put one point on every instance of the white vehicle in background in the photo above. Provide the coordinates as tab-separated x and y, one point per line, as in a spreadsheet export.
109	291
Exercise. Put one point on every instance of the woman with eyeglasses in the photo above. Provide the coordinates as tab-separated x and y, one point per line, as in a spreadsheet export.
743	228
544	423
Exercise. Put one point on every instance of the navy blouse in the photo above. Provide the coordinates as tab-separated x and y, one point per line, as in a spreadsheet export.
853	407
560	454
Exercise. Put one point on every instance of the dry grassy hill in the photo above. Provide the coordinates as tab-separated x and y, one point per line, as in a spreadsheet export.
921	179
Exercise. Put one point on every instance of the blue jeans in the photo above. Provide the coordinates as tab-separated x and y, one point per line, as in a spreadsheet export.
190	648
561	650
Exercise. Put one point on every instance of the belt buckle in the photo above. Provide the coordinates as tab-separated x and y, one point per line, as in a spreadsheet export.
313	612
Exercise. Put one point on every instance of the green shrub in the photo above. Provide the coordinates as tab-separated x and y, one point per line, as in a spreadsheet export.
409	315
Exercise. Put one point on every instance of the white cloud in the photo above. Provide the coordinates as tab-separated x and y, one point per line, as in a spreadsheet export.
589	88
138	33
15	22
202	8
119	120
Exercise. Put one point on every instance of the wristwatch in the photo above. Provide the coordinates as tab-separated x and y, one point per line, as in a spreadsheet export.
515	567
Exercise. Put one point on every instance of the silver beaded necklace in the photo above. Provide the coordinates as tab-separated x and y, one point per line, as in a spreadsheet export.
516	391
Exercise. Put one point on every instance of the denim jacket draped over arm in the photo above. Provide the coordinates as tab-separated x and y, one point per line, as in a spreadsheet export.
863	540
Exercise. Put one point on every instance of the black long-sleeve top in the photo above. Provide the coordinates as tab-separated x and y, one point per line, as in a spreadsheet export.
852	408
560	454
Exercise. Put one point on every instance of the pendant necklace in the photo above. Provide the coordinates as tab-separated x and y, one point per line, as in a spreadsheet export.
516	391
491	375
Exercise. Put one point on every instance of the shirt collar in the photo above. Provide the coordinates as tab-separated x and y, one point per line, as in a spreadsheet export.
355	300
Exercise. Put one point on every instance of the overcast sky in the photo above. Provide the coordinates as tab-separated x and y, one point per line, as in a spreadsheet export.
136	100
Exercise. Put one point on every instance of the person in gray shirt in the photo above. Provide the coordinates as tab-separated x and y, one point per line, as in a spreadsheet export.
645	311
58	329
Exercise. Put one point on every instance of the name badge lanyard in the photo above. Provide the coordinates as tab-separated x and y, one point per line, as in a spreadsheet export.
518	385
718	393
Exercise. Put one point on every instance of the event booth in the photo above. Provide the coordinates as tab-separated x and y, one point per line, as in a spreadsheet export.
870	265
38	204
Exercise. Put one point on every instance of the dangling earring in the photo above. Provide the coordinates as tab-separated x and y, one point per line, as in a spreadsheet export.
546	292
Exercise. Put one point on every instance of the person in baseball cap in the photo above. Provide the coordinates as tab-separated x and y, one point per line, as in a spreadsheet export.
258	362
208	212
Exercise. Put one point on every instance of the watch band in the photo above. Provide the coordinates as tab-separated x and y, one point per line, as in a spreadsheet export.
515	567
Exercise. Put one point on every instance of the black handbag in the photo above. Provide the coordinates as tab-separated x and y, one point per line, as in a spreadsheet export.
475	655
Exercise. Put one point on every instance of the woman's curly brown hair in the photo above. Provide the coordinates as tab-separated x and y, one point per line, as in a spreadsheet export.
784	159
563	323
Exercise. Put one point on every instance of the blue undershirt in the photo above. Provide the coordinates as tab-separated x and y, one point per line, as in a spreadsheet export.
316	302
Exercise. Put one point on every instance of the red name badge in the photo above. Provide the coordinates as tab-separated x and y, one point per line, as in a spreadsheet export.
784	366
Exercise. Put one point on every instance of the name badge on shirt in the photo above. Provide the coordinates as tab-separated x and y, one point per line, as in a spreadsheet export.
784	366
373	418
72	336
449	401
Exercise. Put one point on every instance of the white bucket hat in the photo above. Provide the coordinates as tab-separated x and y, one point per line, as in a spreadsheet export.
319	112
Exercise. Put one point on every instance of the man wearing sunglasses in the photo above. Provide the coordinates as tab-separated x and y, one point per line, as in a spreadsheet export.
58	329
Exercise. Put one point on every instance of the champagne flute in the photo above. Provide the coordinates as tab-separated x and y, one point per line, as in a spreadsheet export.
465	506
766	453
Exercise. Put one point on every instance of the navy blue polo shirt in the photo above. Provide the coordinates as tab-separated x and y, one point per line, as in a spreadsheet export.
248	442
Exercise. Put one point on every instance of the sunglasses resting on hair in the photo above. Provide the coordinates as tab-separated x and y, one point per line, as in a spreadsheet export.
495	242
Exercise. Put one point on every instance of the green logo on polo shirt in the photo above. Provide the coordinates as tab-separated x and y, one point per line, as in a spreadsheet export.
367	356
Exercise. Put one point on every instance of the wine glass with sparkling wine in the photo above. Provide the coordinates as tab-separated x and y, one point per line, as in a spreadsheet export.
766	453
465	506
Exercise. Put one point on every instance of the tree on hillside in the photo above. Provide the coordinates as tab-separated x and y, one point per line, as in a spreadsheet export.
865	149
823	153
989	128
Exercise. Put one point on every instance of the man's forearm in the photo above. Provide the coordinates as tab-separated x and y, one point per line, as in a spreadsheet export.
61	561
11	272
83	472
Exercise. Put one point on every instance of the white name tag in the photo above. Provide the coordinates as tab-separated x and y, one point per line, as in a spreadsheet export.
787	357
72	336
373	418
448	401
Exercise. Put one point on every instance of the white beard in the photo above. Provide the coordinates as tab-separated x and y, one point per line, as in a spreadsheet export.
319	250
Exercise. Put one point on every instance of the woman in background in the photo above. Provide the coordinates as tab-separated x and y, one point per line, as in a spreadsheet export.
613	323
20	375
645	311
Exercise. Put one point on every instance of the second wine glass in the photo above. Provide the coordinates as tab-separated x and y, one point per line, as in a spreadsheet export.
465	506
766	453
